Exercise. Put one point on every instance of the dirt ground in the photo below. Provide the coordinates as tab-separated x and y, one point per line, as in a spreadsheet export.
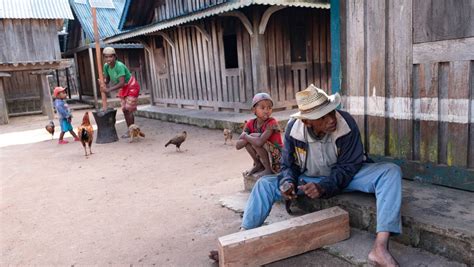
128	203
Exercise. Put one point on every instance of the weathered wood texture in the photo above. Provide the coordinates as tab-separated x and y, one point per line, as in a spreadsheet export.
193	73
3	104
284	239
134	59
28	40
22	93
444	51
436	20
168	9
417	98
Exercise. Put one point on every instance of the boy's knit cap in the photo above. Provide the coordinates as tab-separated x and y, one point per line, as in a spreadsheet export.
259	97
58	90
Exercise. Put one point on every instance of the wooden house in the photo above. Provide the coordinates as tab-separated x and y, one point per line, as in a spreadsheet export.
403	67
81	46
29	49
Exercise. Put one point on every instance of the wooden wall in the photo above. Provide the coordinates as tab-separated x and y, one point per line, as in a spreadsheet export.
134	59
28	40
168	9
22	93
193	73
412	100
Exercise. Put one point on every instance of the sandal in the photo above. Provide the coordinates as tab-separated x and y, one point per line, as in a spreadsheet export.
62	142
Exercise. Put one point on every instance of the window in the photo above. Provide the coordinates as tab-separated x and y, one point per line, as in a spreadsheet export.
230	45
298	40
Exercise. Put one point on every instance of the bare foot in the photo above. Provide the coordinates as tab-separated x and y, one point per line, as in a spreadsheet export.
214	255
380	256
256	168
263	173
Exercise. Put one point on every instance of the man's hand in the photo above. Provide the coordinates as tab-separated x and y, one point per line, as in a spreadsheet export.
312	190
288	191
103	87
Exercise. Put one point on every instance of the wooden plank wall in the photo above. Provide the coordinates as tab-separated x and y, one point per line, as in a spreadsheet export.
28	40
195	76
416	98
22	93
168	9
286	77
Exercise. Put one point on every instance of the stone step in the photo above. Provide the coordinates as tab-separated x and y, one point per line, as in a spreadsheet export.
350	252
206	118
434	218
354	251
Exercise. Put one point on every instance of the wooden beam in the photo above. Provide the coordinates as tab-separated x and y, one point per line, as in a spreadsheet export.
29	66
5	74
3	102
94	79
444	51
166	37
284	239
46	99
266	16
241	16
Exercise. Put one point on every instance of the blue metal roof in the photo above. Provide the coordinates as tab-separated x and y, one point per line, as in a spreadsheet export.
35	9
107	18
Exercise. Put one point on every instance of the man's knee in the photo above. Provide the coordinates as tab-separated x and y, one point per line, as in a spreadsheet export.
393	172
266	182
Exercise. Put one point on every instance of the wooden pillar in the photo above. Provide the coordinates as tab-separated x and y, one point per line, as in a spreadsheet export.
259	56
78	80
46	99
94	79
3	101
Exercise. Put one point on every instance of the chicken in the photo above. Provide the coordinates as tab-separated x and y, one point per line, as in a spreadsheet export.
177	140
50	128
86	133
227	136
135	132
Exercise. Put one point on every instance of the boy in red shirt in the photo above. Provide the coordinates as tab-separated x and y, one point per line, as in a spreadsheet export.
261	138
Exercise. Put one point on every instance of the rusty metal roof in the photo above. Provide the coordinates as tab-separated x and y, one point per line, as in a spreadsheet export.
212	11
35	9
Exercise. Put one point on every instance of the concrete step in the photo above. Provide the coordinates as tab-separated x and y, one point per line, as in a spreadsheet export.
350	252
206	118
112	102
434	218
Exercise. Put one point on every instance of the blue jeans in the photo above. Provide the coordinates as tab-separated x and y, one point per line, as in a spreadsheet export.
383	179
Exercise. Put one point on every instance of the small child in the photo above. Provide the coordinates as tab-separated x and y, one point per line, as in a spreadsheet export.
64	114
261	138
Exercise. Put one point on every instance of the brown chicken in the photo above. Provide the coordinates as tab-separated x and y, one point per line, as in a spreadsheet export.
86	133
177	140
50	128
227	136
135	132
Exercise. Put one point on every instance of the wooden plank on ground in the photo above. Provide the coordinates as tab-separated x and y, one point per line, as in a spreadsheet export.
284	239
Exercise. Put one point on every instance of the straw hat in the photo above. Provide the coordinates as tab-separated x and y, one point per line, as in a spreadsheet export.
313	103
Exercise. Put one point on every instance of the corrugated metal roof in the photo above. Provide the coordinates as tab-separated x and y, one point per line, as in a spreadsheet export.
35	9
107	18
212	12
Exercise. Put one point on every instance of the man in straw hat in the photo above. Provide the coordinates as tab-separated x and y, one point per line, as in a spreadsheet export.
323	155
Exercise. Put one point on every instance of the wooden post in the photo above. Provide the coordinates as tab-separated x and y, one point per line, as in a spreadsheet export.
259	55
79	90
94	80
284	239
98	56
3	101
46	99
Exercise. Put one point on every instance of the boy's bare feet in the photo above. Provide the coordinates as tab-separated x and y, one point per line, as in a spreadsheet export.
256	168
263	173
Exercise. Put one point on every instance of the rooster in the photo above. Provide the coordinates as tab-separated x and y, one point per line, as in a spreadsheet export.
86	133
177	140
135	132
50	128
227	136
